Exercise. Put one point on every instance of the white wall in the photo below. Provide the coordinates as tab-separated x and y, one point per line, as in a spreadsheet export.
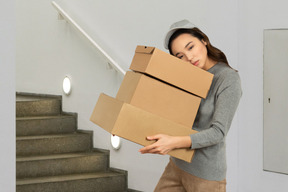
48	49
7	95
255	16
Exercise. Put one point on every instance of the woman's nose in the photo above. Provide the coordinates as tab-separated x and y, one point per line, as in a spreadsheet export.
189	57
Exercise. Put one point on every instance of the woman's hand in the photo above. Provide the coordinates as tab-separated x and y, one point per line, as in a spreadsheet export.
165	143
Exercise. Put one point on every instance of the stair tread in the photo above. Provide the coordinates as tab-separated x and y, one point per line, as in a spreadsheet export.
24	98
44	117
61	178
50	136
57	156
35	97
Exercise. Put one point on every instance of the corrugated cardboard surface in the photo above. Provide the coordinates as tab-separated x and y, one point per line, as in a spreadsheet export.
170	69
159	98
135	124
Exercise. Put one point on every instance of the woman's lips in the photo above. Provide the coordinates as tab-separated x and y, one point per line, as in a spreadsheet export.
196	63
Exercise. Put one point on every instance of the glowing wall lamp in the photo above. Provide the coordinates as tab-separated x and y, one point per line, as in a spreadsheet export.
67	85
115	142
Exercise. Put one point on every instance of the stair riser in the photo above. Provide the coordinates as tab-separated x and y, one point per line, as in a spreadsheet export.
86	164
105	184
75	143
38	108
46	126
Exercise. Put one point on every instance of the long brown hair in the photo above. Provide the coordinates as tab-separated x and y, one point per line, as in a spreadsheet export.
213	52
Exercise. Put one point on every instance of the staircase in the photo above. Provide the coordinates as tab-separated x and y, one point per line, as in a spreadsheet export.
53	156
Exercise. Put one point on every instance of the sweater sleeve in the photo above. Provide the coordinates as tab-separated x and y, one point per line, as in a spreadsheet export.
227	97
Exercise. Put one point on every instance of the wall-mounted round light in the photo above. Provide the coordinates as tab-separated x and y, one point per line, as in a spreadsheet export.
67	85
115	142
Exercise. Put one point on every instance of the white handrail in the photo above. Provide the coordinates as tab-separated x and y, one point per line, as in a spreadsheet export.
70	20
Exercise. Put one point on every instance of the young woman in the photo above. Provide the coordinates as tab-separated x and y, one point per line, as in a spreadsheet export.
207	171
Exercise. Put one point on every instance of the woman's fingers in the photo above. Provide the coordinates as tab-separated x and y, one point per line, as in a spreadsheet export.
153	137
165	143
150	148
155	148
147	149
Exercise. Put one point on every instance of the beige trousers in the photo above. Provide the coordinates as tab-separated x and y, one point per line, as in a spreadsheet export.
175	179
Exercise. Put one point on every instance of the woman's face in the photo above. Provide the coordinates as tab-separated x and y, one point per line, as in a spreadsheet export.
191	49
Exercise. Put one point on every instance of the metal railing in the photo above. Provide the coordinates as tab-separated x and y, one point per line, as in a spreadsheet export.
65	16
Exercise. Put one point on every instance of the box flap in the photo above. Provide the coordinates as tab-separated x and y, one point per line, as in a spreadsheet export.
128	86
144	49
106	112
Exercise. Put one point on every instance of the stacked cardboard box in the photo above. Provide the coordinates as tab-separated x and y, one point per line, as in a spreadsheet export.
160	95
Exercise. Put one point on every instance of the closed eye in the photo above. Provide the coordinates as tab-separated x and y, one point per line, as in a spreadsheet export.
179	55
191	47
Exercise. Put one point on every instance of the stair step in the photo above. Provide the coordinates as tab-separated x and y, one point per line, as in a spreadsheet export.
101	181
62	164
54	144
42	125
37	105
133	190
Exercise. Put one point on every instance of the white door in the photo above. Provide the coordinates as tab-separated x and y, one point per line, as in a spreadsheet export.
276	100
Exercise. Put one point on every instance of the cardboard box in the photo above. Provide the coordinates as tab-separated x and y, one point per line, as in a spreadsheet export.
159	98
161	65
135	124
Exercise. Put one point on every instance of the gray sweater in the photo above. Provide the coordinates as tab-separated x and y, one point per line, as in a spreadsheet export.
213	121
